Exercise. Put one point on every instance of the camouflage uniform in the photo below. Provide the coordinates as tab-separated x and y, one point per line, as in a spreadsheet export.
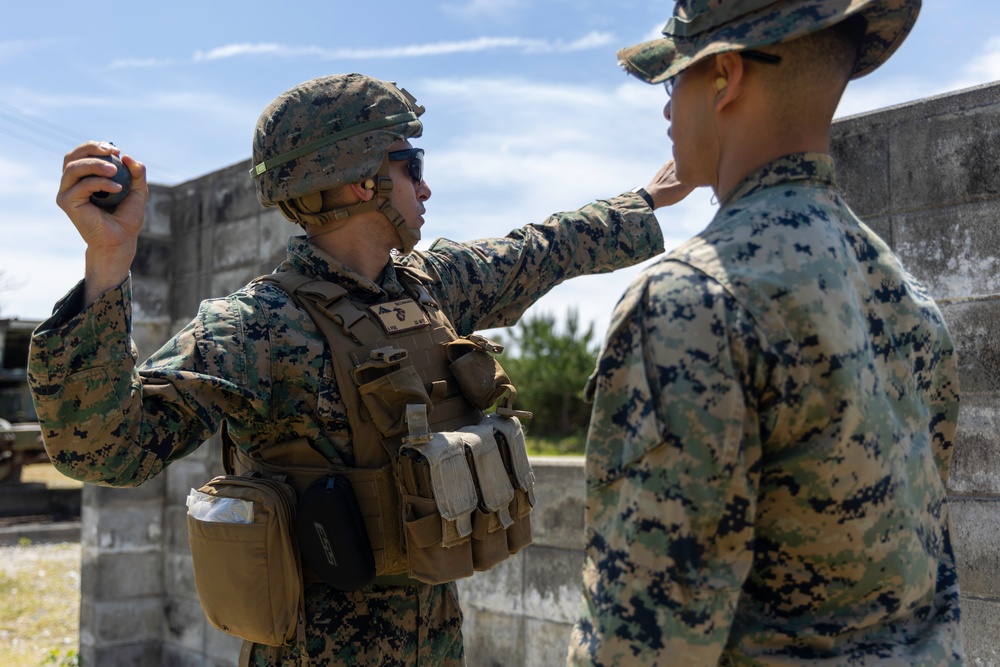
774	413
257	361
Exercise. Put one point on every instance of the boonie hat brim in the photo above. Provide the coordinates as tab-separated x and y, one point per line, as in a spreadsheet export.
683	44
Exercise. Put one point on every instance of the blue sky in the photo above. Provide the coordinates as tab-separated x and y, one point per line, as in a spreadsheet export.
528	111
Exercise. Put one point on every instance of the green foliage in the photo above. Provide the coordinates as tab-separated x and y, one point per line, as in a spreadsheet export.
69	659
573	445
550	367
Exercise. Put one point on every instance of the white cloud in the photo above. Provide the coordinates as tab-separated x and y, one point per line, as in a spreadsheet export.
984	68
508	152
591	40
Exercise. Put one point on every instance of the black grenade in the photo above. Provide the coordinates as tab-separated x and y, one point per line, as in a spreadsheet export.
109	200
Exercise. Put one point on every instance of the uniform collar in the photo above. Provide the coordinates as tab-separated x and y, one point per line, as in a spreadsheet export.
306	258
815	169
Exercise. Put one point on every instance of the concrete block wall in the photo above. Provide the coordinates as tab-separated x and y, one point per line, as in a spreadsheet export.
925	176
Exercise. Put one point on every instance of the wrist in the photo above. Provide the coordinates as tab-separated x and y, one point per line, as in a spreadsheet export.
646	197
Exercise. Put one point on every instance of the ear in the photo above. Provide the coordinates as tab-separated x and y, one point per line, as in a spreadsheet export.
729	79
363	193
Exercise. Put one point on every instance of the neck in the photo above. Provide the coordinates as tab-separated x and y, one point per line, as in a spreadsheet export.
753	144
356	247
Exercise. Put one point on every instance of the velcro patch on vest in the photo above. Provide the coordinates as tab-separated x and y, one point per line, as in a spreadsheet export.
399	316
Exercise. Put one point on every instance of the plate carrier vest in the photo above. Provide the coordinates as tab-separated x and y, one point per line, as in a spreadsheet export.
443	491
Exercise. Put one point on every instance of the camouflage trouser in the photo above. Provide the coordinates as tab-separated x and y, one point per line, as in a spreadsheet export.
398	626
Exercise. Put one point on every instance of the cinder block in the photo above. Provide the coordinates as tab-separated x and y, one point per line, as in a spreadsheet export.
124	655
860	150
974	326
954	251
130	529
980	620
186	475
178	577
493	640
158	209
975	523
175	530
546	642
122	576
182	624
176	655
227	282
186	296
498	590
975	464
552	581
222	650
127	623
193	250
237	244
274	232
106	496
945	160
153	257
557	518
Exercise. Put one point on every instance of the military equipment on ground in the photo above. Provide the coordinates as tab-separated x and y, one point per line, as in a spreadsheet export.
20	435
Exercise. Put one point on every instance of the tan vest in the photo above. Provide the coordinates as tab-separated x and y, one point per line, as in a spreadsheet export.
443	490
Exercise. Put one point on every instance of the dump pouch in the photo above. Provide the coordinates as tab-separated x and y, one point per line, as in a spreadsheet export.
247	575
332	537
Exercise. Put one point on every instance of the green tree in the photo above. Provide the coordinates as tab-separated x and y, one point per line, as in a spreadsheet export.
550	367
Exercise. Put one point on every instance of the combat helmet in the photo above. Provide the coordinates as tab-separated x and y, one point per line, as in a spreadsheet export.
328	132
701	28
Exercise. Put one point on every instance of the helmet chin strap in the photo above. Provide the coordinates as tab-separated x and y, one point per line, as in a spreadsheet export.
380	202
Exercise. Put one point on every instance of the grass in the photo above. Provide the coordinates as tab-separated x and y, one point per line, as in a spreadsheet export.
39	604
569	446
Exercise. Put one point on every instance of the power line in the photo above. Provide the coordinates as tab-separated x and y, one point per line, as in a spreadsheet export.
44	134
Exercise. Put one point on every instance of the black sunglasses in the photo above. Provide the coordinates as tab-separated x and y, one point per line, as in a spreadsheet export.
414	162
755	56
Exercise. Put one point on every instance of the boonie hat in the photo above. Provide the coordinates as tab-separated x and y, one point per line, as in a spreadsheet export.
701	28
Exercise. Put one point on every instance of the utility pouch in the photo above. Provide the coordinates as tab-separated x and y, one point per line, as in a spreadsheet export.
332	537
386	387
478	373
246	560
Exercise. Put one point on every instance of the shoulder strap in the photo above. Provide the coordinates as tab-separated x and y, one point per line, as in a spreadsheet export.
346	329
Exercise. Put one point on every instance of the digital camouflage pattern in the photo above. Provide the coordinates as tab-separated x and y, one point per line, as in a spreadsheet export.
358	115
257	361
774	411
701	28
380	625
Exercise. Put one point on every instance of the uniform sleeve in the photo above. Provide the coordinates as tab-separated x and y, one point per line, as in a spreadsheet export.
106	421
672	475
492	282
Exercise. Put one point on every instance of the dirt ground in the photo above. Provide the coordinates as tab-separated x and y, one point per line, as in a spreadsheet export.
39	604
40	595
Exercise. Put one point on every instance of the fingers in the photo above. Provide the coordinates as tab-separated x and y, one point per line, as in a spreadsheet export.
84	173
665	188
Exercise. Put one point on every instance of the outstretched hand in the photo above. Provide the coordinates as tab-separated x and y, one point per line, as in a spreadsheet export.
665	189
110	236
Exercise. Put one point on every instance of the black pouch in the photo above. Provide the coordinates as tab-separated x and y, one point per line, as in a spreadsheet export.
332	537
